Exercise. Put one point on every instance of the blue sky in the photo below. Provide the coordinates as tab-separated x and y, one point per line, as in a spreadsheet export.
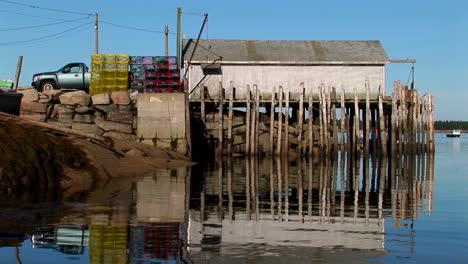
432	32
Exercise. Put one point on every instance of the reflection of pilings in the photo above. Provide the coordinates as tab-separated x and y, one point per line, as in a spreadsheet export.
405	185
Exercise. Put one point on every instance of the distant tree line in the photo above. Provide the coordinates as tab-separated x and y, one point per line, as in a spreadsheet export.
450	124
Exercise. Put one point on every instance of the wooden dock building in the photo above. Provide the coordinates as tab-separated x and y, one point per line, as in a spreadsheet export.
300	98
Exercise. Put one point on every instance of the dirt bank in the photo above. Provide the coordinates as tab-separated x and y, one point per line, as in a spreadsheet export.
35	156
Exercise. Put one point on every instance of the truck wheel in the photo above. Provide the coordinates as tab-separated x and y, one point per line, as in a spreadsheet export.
47	85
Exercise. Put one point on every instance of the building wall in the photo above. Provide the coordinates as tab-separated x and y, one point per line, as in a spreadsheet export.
289	77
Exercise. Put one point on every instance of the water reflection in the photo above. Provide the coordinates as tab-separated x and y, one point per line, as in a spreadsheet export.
301	210
274	204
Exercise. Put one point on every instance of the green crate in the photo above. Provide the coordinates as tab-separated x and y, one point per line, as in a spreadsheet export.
6	84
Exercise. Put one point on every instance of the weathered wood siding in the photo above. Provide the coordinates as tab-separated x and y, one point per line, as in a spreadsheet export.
268	76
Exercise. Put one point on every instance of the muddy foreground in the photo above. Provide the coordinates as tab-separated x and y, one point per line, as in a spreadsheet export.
35	157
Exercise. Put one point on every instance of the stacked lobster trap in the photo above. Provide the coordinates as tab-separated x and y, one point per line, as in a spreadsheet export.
109	72
157	74
144	74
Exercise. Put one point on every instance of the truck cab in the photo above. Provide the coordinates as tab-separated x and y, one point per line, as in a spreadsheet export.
73	76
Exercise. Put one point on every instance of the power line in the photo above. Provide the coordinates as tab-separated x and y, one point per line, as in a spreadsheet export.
43	25
28	15
133	28
41	38
44	8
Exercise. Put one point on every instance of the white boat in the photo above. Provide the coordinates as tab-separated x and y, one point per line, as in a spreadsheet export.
454	133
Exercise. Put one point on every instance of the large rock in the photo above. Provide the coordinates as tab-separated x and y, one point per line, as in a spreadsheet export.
33	107
75	98
83	118
106	108
29	95
84	110
121	117
120	98
65	114
53	94
101	99
87	128
113	126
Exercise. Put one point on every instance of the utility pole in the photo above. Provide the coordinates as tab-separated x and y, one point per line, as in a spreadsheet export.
18	72
96	33
179	60
166	40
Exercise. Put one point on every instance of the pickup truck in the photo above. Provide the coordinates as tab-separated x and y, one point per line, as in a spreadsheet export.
73	76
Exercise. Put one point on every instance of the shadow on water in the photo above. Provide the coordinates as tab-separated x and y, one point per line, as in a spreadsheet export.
229	210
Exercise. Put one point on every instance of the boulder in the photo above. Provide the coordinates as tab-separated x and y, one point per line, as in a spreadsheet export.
106	108
65	114
87	128
83	118
121	117
120	98
101	99
84	110
75	98
53	94
29	95
113	126
33	107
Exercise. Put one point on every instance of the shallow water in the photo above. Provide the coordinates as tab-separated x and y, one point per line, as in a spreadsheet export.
413	209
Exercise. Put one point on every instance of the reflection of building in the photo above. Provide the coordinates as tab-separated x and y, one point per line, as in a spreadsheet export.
276	204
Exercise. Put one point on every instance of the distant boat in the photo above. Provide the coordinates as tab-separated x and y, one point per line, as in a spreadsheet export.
10	102
454	133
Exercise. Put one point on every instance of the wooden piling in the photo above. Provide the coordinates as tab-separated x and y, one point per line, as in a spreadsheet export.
257	120
286	125
202	104
300	126
343	120
253	124
393	136
220	125
366	115
356	121
272	121
382	130
280	122
247	121
230	117
431	124
310	121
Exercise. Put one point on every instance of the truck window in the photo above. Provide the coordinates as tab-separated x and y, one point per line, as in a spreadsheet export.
75	69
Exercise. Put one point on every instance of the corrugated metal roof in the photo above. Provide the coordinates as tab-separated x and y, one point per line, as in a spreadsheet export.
286	52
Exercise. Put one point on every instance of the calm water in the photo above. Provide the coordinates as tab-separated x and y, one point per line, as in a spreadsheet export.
408	210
